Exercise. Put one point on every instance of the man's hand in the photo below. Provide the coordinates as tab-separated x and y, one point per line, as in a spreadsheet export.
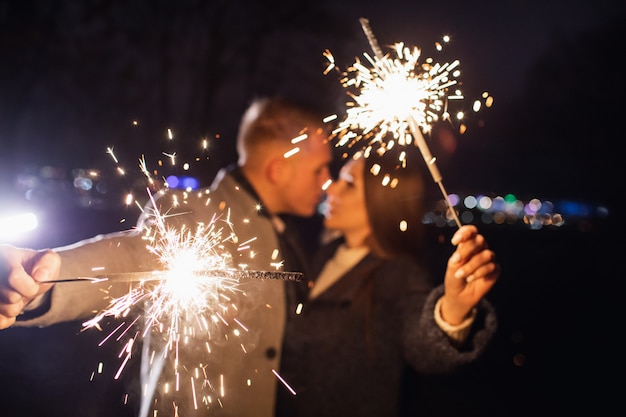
22	272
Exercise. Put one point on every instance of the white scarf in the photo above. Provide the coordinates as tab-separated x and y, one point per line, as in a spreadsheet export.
344	259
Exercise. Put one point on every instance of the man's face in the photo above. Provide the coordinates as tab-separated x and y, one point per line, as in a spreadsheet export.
309	171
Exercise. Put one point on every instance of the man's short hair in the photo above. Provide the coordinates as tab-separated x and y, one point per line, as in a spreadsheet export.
274	120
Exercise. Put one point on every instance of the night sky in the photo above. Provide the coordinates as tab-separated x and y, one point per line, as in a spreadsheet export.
78	77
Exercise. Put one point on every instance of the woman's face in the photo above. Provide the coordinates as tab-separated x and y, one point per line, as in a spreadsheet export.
345	209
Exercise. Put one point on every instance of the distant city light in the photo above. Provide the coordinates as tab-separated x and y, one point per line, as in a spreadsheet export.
184	183
508	209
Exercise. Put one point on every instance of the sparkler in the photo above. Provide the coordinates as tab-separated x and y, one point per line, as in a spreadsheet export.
186	300
161	275
184	307
396	98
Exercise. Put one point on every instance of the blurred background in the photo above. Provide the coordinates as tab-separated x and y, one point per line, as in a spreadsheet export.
538	172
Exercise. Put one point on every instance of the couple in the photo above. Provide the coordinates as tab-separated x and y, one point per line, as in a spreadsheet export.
343	336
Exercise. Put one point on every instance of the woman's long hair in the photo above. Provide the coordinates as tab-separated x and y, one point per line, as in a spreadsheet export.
394	196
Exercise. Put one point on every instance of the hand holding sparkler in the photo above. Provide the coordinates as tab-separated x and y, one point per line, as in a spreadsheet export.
470	274
21	273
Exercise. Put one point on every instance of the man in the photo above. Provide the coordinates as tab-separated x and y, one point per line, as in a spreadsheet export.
283	164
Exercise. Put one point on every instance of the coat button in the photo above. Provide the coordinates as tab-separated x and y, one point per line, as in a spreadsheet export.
270	353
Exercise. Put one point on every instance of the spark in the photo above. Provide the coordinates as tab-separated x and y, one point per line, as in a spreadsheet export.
143	166
110	152
194	302
299	138
395	99
393	90
291	152
281	379
329	118
171	156
190	301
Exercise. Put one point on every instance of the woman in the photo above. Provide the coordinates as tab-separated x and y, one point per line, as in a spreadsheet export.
372	311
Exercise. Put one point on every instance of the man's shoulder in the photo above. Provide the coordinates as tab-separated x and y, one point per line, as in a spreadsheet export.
220	176
223	178
225	188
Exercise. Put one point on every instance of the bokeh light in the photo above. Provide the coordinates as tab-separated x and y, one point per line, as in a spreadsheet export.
508	209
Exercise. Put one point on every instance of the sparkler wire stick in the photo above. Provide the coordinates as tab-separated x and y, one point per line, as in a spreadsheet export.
413	127
432	166
160	275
